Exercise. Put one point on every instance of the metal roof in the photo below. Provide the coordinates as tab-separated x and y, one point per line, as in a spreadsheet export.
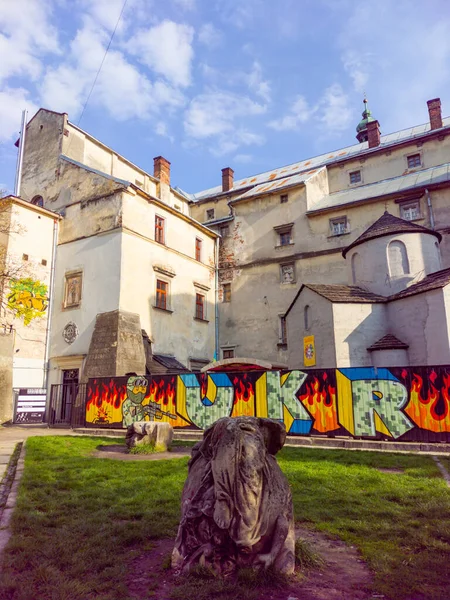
319	161
404	183
277	185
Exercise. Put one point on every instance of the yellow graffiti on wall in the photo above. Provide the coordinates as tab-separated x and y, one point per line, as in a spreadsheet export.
28	299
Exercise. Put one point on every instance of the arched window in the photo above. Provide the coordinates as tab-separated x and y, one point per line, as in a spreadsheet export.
398	259
307	317
38	201
356	267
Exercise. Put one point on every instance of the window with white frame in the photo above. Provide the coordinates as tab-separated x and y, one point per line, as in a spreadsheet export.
284	233
410	210
339	225
414	161
355	177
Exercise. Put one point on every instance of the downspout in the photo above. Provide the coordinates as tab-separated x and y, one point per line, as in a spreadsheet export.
217	349
50	306
430	208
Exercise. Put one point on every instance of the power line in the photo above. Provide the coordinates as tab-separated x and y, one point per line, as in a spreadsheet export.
101	64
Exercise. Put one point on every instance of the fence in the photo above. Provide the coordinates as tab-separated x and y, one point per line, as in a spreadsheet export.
410	403
67	405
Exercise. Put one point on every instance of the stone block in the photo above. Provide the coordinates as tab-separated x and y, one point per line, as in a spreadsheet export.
159	435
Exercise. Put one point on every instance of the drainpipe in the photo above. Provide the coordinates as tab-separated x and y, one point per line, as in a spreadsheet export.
50	306
430	208
217	349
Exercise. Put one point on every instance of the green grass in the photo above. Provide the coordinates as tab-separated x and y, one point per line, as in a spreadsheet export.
80	520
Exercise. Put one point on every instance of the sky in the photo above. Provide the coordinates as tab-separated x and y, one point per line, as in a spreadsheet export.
247	84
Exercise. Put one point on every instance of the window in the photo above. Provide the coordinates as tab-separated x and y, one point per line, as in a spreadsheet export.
159	230
284	233
210	214
38	201
228	353
398	259
72	292
306	315
227	292
284	198
283	330
355	177
25	256
287	273
44	262
339	226
410	211
198	249
200	306
162	292
356	267
224	230
414	161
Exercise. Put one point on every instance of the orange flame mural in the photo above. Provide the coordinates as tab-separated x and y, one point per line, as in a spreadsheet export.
431	412
320	402
244	395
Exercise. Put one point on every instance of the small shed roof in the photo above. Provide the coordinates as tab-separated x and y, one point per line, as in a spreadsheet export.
388	342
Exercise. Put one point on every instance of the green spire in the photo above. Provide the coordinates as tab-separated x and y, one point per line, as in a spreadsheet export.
361	129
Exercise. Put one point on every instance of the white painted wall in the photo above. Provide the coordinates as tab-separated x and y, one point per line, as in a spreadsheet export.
390	358
375	273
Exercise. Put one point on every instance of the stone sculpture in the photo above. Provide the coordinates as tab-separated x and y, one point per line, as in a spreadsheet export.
236	506
158	435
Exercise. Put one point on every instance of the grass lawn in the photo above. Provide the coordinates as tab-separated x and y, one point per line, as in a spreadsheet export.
80	519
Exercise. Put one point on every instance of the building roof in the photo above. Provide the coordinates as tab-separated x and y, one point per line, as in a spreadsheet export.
345	293
170	363
388	224
433	281
308	164
418	180
388	342
29	205
277	185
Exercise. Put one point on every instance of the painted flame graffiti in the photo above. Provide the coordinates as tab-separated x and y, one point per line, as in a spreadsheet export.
433	411
320	402
244	395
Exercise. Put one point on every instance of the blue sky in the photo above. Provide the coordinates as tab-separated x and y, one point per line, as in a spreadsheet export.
251	84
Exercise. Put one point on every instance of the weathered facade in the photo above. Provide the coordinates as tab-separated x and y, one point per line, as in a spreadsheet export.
130	245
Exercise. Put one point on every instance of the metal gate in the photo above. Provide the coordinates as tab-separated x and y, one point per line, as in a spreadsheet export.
67	405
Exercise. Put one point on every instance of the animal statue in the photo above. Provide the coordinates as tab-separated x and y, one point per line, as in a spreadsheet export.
236	507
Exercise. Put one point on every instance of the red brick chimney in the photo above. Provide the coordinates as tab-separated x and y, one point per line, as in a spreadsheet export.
161	169
434	110
373	134
227	179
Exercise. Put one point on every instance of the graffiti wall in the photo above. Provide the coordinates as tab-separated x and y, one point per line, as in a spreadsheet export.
397	403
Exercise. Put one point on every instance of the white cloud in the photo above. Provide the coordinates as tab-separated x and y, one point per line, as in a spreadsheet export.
243	159
12	102
106	12
257	84
209	35
27	36
331	112
223	118
167	49
162	130
299	113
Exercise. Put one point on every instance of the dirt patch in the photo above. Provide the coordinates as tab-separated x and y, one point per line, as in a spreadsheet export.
344	575
392	470
120	452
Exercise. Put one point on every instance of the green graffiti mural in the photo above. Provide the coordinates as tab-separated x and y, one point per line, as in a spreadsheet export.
204	407
28	299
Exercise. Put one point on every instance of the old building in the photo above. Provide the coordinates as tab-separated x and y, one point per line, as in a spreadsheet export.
394	311
135	278
287	227
141	281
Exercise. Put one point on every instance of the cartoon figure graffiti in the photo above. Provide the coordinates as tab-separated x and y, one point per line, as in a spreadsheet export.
133	409
28	299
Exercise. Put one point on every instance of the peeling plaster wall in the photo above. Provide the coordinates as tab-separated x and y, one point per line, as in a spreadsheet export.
320	317
420	321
